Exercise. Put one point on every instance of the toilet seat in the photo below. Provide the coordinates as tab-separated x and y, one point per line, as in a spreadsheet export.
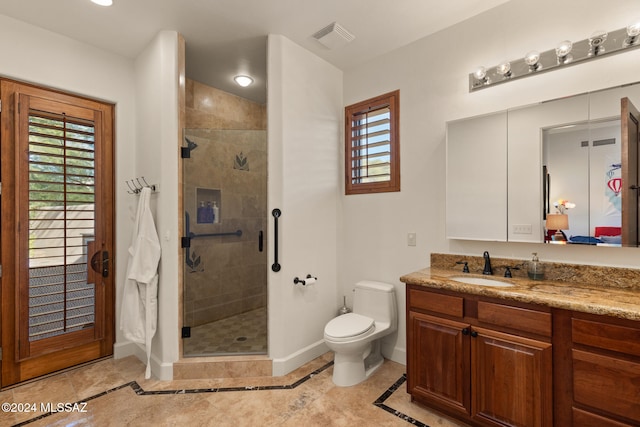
348	325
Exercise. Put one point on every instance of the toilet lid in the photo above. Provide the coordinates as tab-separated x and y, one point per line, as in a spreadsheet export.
348	325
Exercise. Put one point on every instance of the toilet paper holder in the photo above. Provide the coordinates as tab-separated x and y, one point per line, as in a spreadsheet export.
309	280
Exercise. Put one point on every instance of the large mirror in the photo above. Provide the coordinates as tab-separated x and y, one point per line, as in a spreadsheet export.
590	174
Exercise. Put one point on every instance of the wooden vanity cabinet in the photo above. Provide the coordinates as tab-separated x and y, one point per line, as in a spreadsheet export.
485	362
605	355
512	379
438	369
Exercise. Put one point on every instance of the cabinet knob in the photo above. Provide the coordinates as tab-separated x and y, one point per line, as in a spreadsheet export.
465	331
474	334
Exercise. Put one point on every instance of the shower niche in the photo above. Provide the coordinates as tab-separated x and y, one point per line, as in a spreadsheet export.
208	205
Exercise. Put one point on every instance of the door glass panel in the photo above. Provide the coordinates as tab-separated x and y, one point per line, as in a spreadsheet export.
225	271
61	224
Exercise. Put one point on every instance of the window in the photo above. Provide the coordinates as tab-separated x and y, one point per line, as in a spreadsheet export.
372	145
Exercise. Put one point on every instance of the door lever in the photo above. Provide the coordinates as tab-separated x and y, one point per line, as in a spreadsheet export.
100	263
105	264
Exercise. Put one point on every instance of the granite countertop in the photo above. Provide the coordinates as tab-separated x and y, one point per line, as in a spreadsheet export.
622	302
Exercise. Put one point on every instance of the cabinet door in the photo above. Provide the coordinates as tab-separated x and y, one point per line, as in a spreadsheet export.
512	380
476	178
438	365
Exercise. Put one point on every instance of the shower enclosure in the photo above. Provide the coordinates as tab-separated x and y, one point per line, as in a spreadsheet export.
225	255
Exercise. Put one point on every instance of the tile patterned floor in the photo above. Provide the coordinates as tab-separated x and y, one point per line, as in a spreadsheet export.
245	333
115	393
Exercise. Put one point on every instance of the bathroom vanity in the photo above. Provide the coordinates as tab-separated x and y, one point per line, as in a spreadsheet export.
535	353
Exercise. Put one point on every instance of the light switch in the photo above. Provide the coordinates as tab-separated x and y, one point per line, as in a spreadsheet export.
522	229
411	239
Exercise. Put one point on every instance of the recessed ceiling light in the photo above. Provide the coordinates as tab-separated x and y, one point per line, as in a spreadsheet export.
243	81
103	2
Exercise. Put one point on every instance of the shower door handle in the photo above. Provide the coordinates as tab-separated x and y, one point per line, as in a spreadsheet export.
260	241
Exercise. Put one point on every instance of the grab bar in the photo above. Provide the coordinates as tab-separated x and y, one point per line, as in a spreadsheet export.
231	233
186	241
276	214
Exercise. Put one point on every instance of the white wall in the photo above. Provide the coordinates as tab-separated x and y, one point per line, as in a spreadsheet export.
157	71
38	56
304	128
432	75
145	94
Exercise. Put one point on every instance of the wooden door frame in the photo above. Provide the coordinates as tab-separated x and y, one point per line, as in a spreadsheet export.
13	370
630	155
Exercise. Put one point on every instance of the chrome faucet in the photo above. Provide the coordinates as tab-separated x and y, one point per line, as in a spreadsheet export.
487	264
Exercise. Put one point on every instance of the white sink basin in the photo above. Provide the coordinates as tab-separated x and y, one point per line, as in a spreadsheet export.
481	281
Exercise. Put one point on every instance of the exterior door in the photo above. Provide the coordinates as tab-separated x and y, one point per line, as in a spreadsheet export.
56	232
630	177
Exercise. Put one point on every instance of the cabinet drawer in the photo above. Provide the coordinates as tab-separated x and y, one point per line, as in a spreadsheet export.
618	338
523	319
587	419
437	303
607	383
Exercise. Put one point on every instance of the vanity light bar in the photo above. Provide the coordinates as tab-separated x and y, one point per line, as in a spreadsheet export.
566	53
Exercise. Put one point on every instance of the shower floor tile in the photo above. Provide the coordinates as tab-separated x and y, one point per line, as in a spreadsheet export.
244	333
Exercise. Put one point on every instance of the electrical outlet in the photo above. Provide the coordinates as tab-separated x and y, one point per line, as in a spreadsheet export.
411	239
522	229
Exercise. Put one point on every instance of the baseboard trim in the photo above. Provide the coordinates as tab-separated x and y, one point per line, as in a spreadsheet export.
282	366
161	370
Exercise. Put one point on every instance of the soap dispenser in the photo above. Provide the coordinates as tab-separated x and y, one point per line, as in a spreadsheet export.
216	213
535	269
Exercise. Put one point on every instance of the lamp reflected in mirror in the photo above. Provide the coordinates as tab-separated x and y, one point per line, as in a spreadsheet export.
557	223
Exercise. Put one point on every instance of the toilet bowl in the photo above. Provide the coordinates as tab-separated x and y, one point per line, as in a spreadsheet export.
355	337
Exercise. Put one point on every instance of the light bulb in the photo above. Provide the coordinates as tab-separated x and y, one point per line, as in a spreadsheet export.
103	2
243	81
480	73
564	48
633	30
596	41
532	58
504	68
598	38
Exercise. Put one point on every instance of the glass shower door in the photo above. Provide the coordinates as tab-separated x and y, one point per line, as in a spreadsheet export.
225	271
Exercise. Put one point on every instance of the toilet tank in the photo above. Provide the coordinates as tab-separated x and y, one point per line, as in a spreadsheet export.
376	300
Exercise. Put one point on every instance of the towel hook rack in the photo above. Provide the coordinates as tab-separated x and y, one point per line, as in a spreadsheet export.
136	186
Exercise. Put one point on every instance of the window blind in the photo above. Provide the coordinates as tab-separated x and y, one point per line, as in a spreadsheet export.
371	145
61	207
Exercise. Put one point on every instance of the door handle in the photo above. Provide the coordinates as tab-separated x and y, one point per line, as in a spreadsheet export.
260	241
276	214
100	263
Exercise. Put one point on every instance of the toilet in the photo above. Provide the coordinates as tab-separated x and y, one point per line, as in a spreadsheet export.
355	337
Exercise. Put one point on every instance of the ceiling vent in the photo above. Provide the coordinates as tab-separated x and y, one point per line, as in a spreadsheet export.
333	36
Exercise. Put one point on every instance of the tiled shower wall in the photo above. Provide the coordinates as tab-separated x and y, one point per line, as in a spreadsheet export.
227	275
